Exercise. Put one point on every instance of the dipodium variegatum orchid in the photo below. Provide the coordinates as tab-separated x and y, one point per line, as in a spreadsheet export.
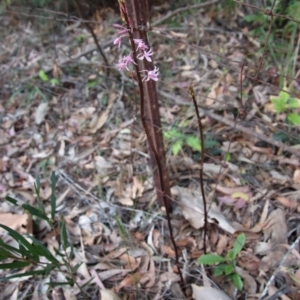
143	53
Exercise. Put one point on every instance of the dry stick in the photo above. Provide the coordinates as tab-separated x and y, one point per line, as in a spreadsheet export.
278	268
179	100
181	9
192	93
151	143
264	11
261	59
90	29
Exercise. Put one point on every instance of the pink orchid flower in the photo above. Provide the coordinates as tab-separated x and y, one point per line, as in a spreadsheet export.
151	74
140	44
124	62
146	55
121	28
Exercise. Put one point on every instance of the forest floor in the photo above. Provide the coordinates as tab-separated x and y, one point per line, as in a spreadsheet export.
60	112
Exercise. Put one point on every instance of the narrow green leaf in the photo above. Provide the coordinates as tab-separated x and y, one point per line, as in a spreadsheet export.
87	283
35	211
4	247
72	251
24	252
11	200
208	259
121	227
30	273
57	252
8	251
76	267
239	244
53	181
63	234
53	198
54	284
37	185
43	250
238	282
230	255
29	249
15	265
48	269
229	269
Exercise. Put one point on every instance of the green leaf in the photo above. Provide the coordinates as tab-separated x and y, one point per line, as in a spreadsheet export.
294	118
6	250
27	249
87	283
280	102
53	198
219	270
72	251
30	273
63	234
238	282
227	156
239	244
54	81
24	252
15	265
43	250
293	103
48	269
284	96
229	269
35	212
12	200
173	134
208	259
53	182
230	255
37	185
53	284
176	147
92	83
77	267
43	76
193	142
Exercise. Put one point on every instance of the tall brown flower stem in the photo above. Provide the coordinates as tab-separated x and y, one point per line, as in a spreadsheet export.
134	14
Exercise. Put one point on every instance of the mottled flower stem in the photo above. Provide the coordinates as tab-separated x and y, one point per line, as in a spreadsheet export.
133	14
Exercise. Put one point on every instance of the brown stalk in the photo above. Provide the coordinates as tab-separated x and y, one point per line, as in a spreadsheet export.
90	29
137	15
192	93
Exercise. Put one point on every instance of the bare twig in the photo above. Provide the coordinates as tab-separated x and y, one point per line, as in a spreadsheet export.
192	93
170	14
278	268
90	29
261	59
